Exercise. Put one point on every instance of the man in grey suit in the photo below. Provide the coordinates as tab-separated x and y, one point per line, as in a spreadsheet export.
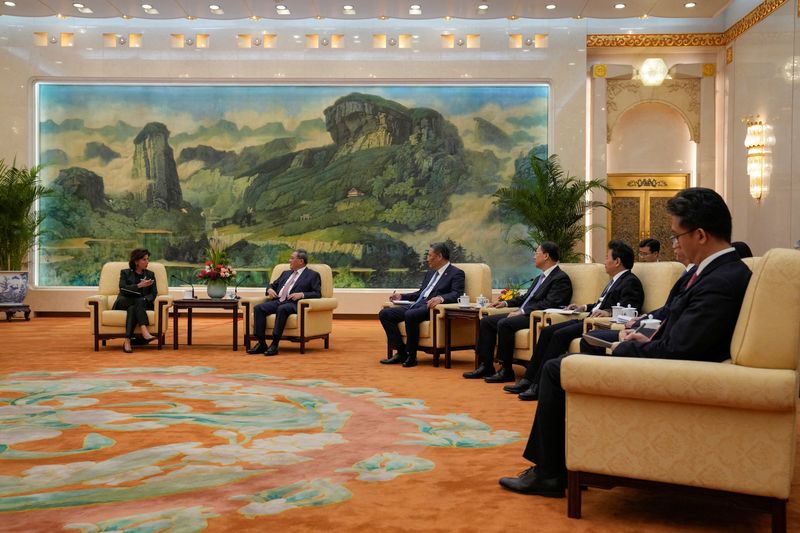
552	288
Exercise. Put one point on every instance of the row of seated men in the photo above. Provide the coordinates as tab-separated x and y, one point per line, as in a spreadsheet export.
698	321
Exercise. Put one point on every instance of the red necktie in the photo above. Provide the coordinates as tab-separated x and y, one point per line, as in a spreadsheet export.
691	280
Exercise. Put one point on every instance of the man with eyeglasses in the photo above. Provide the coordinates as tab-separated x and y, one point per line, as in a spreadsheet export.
649	250
699	326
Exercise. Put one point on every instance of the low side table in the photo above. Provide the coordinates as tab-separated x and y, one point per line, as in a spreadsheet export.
12	309
203	303
471	314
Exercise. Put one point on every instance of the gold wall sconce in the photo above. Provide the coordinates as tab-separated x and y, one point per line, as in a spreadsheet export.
758	142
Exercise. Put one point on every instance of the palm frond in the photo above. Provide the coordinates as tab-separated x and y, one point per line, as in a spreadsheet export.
551	204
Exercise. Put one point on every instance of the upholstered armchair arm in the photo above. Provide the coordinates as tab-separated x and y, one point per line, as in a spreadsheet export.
497	310
319	304
688	382
98	301
557	318
601	322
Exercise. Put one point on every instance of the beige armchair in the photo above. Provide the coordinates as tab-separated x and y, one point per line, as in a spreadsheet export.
314	318
478	280
106	323
722	427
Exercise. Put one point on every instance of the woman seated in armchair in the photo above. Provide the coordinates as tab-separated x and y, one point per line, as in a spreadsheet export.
137	292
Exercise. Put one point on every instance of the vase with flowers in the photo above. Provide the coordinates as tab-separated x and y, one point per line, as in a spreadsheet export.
217	272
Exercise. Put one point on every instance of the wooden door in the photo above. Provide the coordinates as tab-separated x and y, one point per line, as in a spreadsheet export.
638	208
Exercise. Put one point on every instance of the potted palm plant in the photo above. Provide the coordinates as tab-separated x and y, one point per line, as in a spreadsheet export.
19	226
552	204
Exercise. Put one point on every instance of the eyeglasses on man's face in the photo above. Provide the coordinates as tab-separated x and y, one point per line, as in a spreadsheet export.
674	238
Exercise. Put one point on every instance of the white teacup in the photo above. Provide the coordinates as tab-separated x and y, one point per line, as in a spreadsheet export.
187	294
463	300
629	312
483	301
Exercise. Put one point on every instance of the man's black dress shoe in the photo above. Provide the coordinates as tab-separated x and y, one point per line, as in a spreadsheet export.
528	482
503	376
531	394
272	350
395	360
257	349
481	372
520	386
410	361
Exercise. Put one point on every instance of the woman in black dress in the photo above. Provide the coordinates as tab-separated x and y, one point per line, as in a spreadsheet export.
137	292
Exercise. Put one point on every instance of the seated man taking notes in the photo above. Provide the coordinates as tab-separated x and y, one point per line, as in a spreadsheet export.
442	284
552	288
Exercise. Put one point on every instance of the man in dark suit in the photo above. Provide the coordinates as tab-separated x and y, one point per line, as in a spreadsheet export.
443	284
698	326
552	288
624	288
295	284
612	335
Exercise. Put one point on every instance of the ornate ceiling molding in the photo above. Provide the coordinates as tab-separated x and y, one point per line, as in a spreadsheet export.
653	40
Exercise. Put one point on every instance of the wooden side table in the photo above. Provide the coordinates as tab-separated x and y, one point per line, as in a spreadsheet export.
203	303
12	309
470	314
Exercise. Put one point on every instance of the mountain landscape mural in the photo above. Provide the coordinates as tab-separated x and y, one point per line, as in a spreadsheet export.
363	177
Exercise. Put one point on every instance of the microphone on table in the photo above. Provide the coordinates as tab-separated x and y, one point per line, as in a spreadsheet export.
236	287
187	282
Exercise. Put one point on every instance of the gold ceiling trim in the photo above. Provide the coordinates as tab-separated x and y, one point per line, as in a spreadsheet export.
652	40
759	13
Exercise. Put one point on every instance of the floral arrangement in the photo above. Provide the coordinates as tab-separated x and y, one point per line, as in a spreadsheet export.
512	291
217	266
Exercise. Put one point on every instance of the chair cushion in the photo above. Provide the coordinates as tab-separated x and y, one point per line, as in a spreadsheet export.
117	318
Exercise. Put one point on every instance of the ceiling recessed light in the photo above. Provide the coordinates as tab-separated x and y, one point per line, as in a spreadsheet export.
619	6
512	17
415	9
190	17
550	6
383	17
319	17
10	4
280	7
448	17
689	4
347	8
415	6
213	7
78	5
255	18
146	6
483	7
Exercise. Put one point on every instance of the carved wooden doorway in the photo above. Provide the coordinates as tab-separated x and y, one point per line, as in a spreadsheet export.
638	208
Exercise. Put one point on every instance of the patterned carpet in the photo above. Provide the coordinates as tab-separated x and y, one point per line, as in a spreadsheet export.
207	439
253	444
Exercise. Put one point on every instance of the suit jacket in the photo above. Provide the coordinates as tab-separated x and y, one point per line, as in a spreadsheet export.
309	283
662	312
128	288
701	318
449	286
556	290
627	290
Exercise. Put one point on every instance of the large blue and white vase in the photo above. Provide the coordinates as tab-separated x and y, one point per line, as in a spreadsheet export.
216	288
13	286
